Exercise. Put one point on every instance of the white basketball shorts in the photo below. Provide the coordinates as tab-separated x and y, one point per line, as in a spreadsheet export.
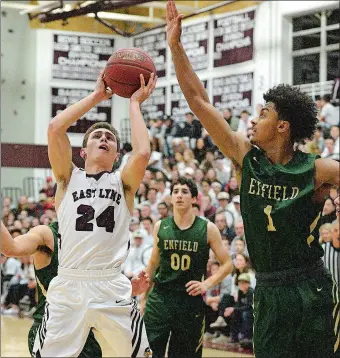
78	300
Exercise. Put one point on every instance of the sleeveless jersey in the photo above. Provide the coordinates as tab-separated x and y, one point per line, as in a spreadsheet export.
183	254
93	222
280	218
45	275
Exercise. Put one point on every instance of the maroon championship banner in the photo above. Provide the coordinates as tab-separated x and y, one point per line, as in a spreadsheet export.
195	42
179	105
233	92
80	57
155	45
154	106
234	38
64	97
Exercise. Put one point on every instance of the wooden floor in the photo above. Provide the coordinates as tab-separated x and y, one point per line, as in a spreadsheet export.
14	340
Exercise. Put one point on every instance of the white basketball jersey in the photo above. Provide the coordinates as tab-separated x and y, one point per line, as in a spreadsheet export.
93	222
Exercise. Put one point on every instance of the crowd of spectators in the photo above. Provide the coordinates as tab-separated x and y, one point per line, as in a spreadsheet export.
181	148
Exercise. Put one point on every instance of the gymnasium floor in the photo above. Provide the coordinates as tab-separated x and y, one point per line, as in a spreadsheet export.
14	340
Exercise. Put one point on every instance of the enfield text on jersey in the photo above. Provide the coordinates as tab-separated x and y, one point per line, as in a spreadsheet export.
93	193
276	192
180	245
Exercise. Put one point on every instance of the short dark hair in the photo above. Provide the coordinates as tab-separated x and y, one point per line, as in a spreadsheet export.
148	219
195	205
189	113
16	230
327	97
185	181
295	107
163	203
104	125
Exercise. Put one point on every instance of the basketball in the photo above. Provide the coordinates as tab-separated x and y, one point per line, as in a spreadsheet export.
123	69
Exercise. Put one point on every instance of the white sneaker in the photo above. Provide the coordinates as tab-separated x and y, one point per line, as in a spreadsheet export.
11	311
219	323
222	339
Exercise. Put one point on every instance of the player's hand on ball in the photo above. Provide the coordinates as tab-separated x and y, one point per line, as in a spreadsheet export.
174	23
101	90
145	90
195	288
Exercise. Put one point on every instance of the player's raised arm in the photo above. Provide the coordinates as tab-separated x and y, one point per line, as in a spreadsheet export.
195	288
59	147
233	145
27	244
134	169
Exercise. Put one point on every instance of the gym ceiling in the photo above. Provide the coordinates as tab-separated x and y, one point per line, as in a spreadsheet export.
124	17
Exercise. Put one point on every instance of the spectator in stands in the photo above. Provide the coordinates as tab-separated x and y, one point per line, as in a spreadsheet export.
208	209
168	131
126	153
146	212
318	139
241	323
163	210
48	187
209	161
235	207
223	171
239	232
156	158
162	190
329	115
325	233
239	248
244	122
232	120
241	265
199	150
232	187
221	223
147	224
22	204
134	262
152	202
134	224
329	150
196	129
9	268
142	193
213	298
20	285
328	212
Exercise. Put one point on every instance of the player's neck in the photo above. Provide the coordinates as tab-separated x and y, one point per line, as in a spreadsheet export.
184	220
95	168
279	153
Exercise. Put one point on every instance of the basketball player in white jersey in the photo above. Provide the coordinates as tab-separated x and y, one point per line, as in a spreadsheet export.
94	207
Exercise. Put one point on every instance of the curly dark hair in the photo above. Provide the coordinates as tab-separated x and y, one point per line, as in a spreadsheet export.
185	181
296	108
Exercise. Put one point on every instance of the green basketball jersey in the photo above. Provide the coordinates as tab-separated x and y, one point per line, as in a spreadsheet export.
183	254
45	275
280	217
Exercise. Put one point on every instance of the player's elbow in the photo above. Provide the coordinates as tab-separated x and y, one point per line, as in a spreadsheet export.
143	155
10	251
54	127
